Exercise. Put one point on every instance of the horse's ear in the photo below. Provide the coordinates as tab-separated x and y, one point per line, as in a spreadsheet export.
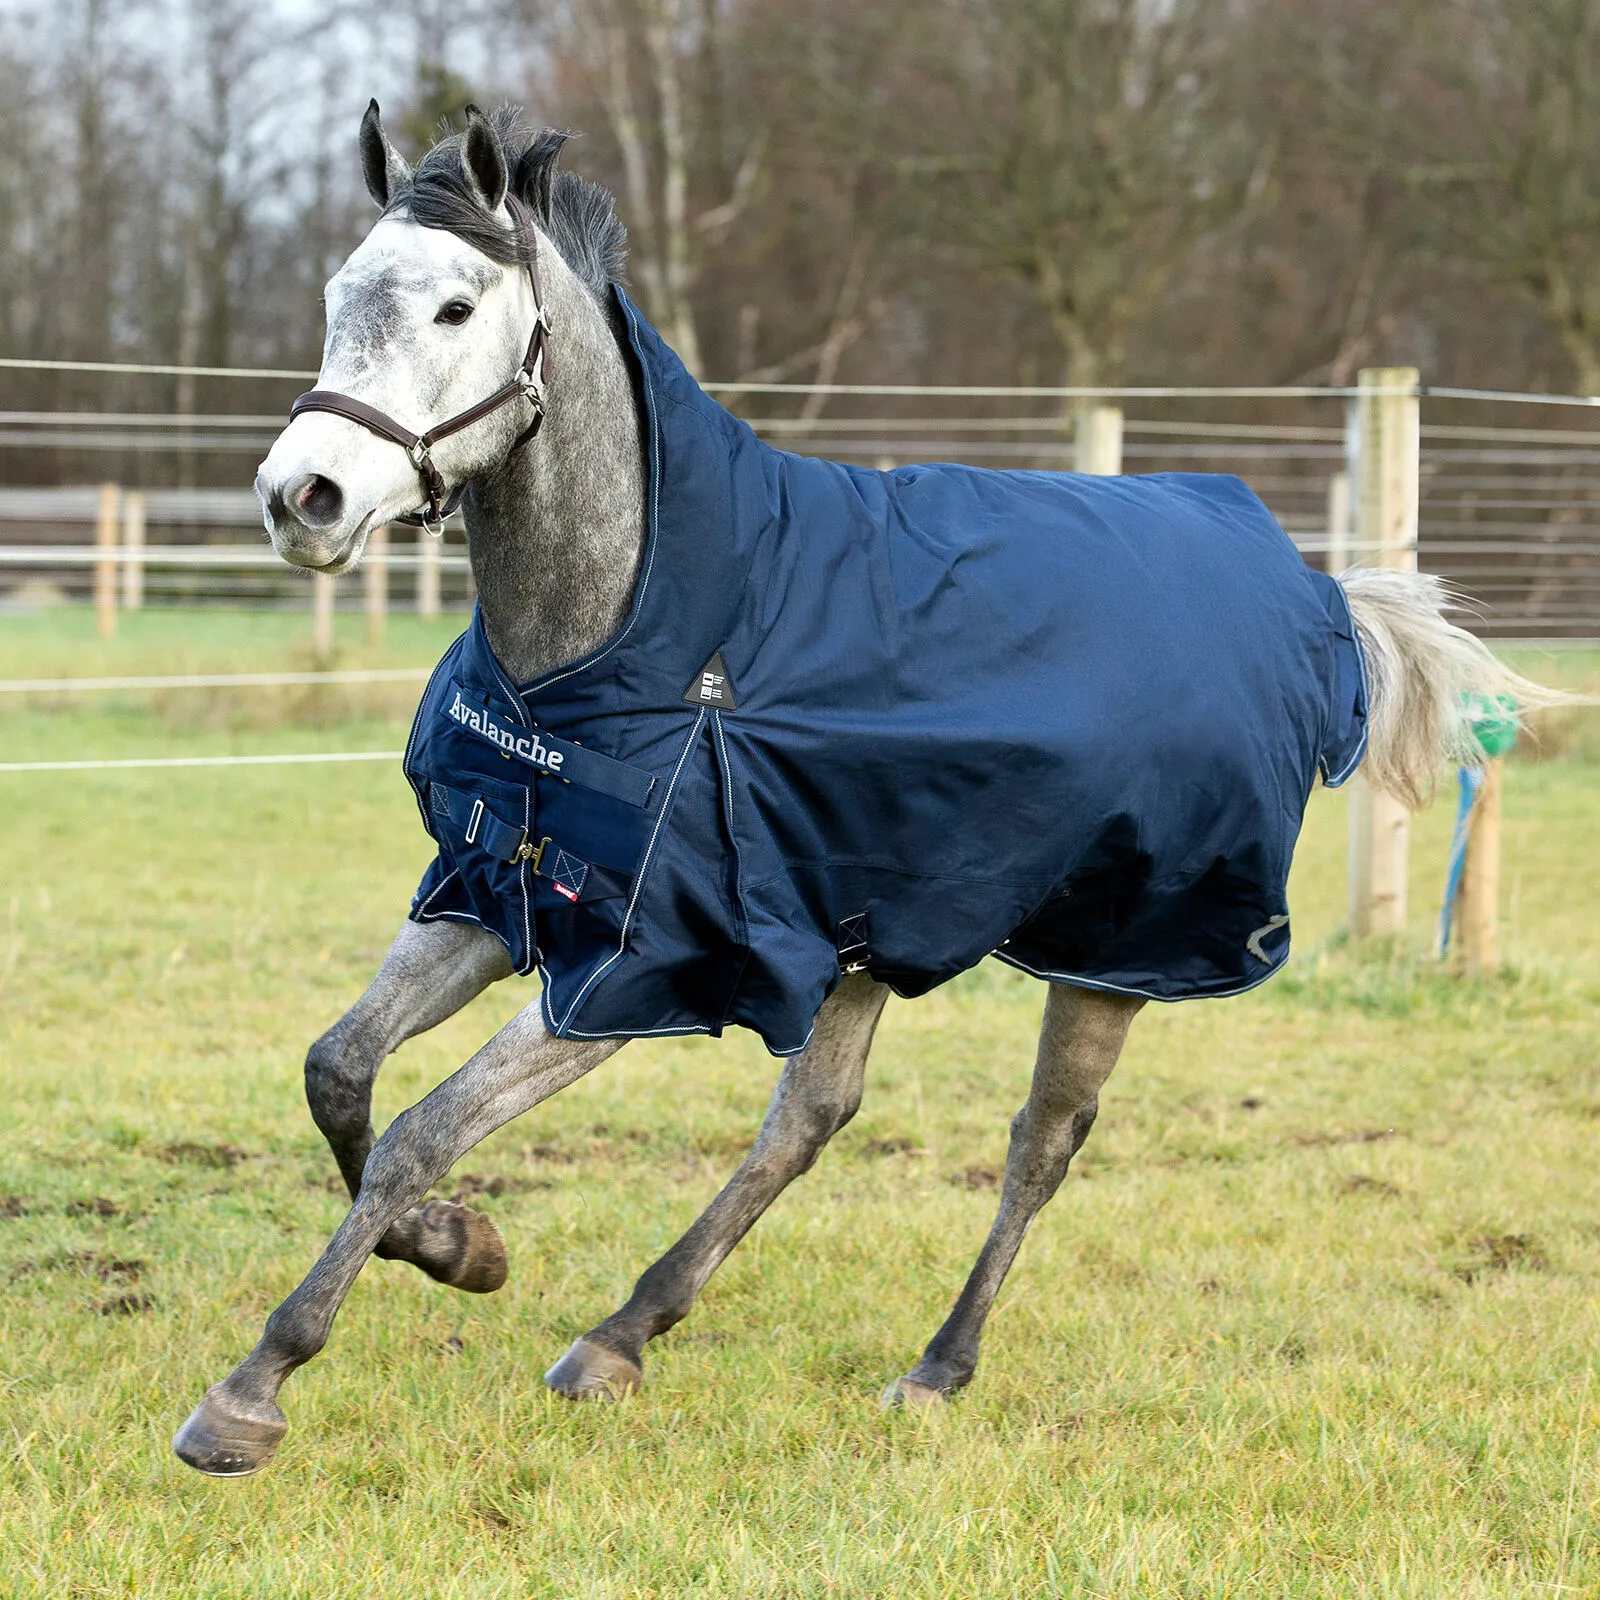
387	171
534	180
484	161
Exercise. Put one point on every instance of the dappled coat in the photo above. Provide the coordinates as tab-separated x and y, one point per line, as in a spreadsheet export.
894	721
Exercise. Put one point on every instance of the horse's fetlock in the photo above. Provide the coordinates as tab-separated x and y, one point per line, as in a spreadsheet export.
292	1337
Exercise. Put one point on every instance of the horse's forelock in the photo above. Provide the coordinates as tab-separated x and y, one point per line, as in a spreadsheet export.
580	217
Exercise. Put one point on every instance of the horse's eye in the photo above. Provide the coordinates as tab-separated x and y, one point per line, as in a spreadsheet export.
454	313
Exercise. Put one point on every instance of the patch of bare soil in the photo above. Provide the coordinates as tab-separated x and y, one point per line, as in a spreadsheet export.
1360	1183
977	1178
202	1155
1360	1136
1501	1252
890	1147
98	1206
108	1269
126	1305
13	1205
1073	1422
552	1154
471	1185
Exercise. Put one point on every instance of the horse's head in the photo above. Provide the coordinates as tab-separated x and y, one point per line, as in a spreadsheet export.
429	315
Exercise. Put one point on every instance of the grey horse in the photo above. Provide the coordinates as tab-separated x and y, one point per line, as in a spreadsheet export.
423	320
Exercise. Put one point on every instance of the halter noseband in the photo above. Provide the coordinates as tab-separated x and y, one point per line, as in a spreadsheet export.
529	383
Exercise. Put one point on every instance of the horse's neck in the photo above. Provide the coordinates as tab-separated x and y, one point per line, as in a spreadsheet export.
555	536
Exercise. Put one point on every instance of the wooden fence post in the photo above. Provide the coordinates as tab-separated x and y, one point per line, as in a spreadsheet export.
105	572
1478	900
1098	443
322	618
1384	437
377	576
427	574
132	549
1338	555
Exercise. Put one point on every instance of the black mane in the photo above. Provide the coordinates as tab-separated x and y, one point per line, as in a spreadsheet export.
579	216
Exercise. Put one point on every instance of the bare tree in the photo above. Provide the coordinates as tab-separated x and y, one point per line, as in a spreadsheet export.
1336	257
653	69
1093	154
1513	164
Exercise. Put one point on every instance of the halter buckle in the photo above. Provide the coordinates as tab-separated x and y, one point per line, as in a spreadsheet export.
530	380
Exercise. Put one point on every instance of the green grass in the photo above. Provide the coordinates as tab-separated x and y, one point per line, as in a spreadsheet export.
1315	1313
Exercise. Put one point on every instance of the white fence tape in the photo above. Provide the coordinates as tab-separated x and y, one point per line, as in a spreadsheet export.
215	680
192	555
202	761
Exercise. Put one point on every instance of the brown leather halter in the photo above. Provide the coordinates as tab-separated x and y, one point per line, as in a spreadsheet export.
529	383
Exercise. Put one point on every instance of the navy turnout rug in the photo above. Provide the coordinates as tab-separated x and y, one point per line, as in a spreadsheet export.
894	721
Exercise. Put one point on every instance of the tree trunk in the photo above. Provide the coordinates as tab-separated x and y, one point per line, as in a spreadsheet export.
678	264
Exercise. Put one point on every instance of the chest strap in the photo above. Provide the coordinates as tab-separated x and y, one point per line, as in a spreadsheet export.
481	826
546	753
568	873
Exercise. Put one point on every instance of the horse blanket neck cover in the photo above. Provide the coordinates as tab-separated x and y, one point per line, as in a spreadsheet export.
894	722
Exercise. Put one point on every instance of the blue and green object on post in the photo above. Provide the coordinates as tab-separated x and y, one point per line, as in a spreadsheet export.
1493	719
1494	722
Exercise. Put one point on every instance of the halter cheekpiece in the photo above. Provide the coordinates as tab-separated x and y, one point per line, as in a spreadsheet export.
528	383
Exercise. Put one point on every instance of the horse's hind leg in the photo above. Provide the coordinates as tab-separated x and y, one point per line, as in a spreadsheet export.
430	972
817	1094
1078	1046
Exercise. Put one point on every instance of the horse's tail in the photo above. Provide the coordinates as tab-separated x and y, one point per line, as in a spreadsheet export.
1423	675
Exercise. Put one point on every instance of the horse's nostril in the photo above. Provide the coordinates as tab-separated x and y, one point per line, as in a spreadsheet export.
316	501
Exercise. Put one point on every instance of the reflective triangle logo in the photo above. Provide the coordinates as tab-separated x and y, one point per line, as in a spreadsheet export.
712	687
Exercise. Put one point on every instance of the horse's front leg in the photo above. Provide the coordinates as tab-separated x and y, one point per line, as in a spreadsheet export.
817	1094
238	1425
431	971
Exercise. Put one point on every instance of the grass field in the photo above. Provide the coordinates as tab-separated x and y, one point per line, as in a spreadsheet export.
1315	1313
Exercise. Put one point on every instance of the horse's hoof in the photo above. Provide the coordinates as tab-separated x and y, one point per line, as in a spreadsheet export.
589	1371
907	1394
460	1247
225	1438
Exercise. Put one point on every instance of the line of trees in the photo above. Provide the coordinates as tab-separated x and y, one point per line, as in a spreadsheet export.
1084	191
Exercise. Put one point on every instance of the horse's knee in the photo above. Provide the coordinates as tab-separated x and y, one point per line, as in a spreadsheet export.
845	1105
409	1158
338	1084
820	1113
1046	1136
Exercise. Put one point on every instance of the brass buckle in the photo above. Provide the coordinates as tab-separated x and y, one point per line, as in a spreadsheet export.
527	851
